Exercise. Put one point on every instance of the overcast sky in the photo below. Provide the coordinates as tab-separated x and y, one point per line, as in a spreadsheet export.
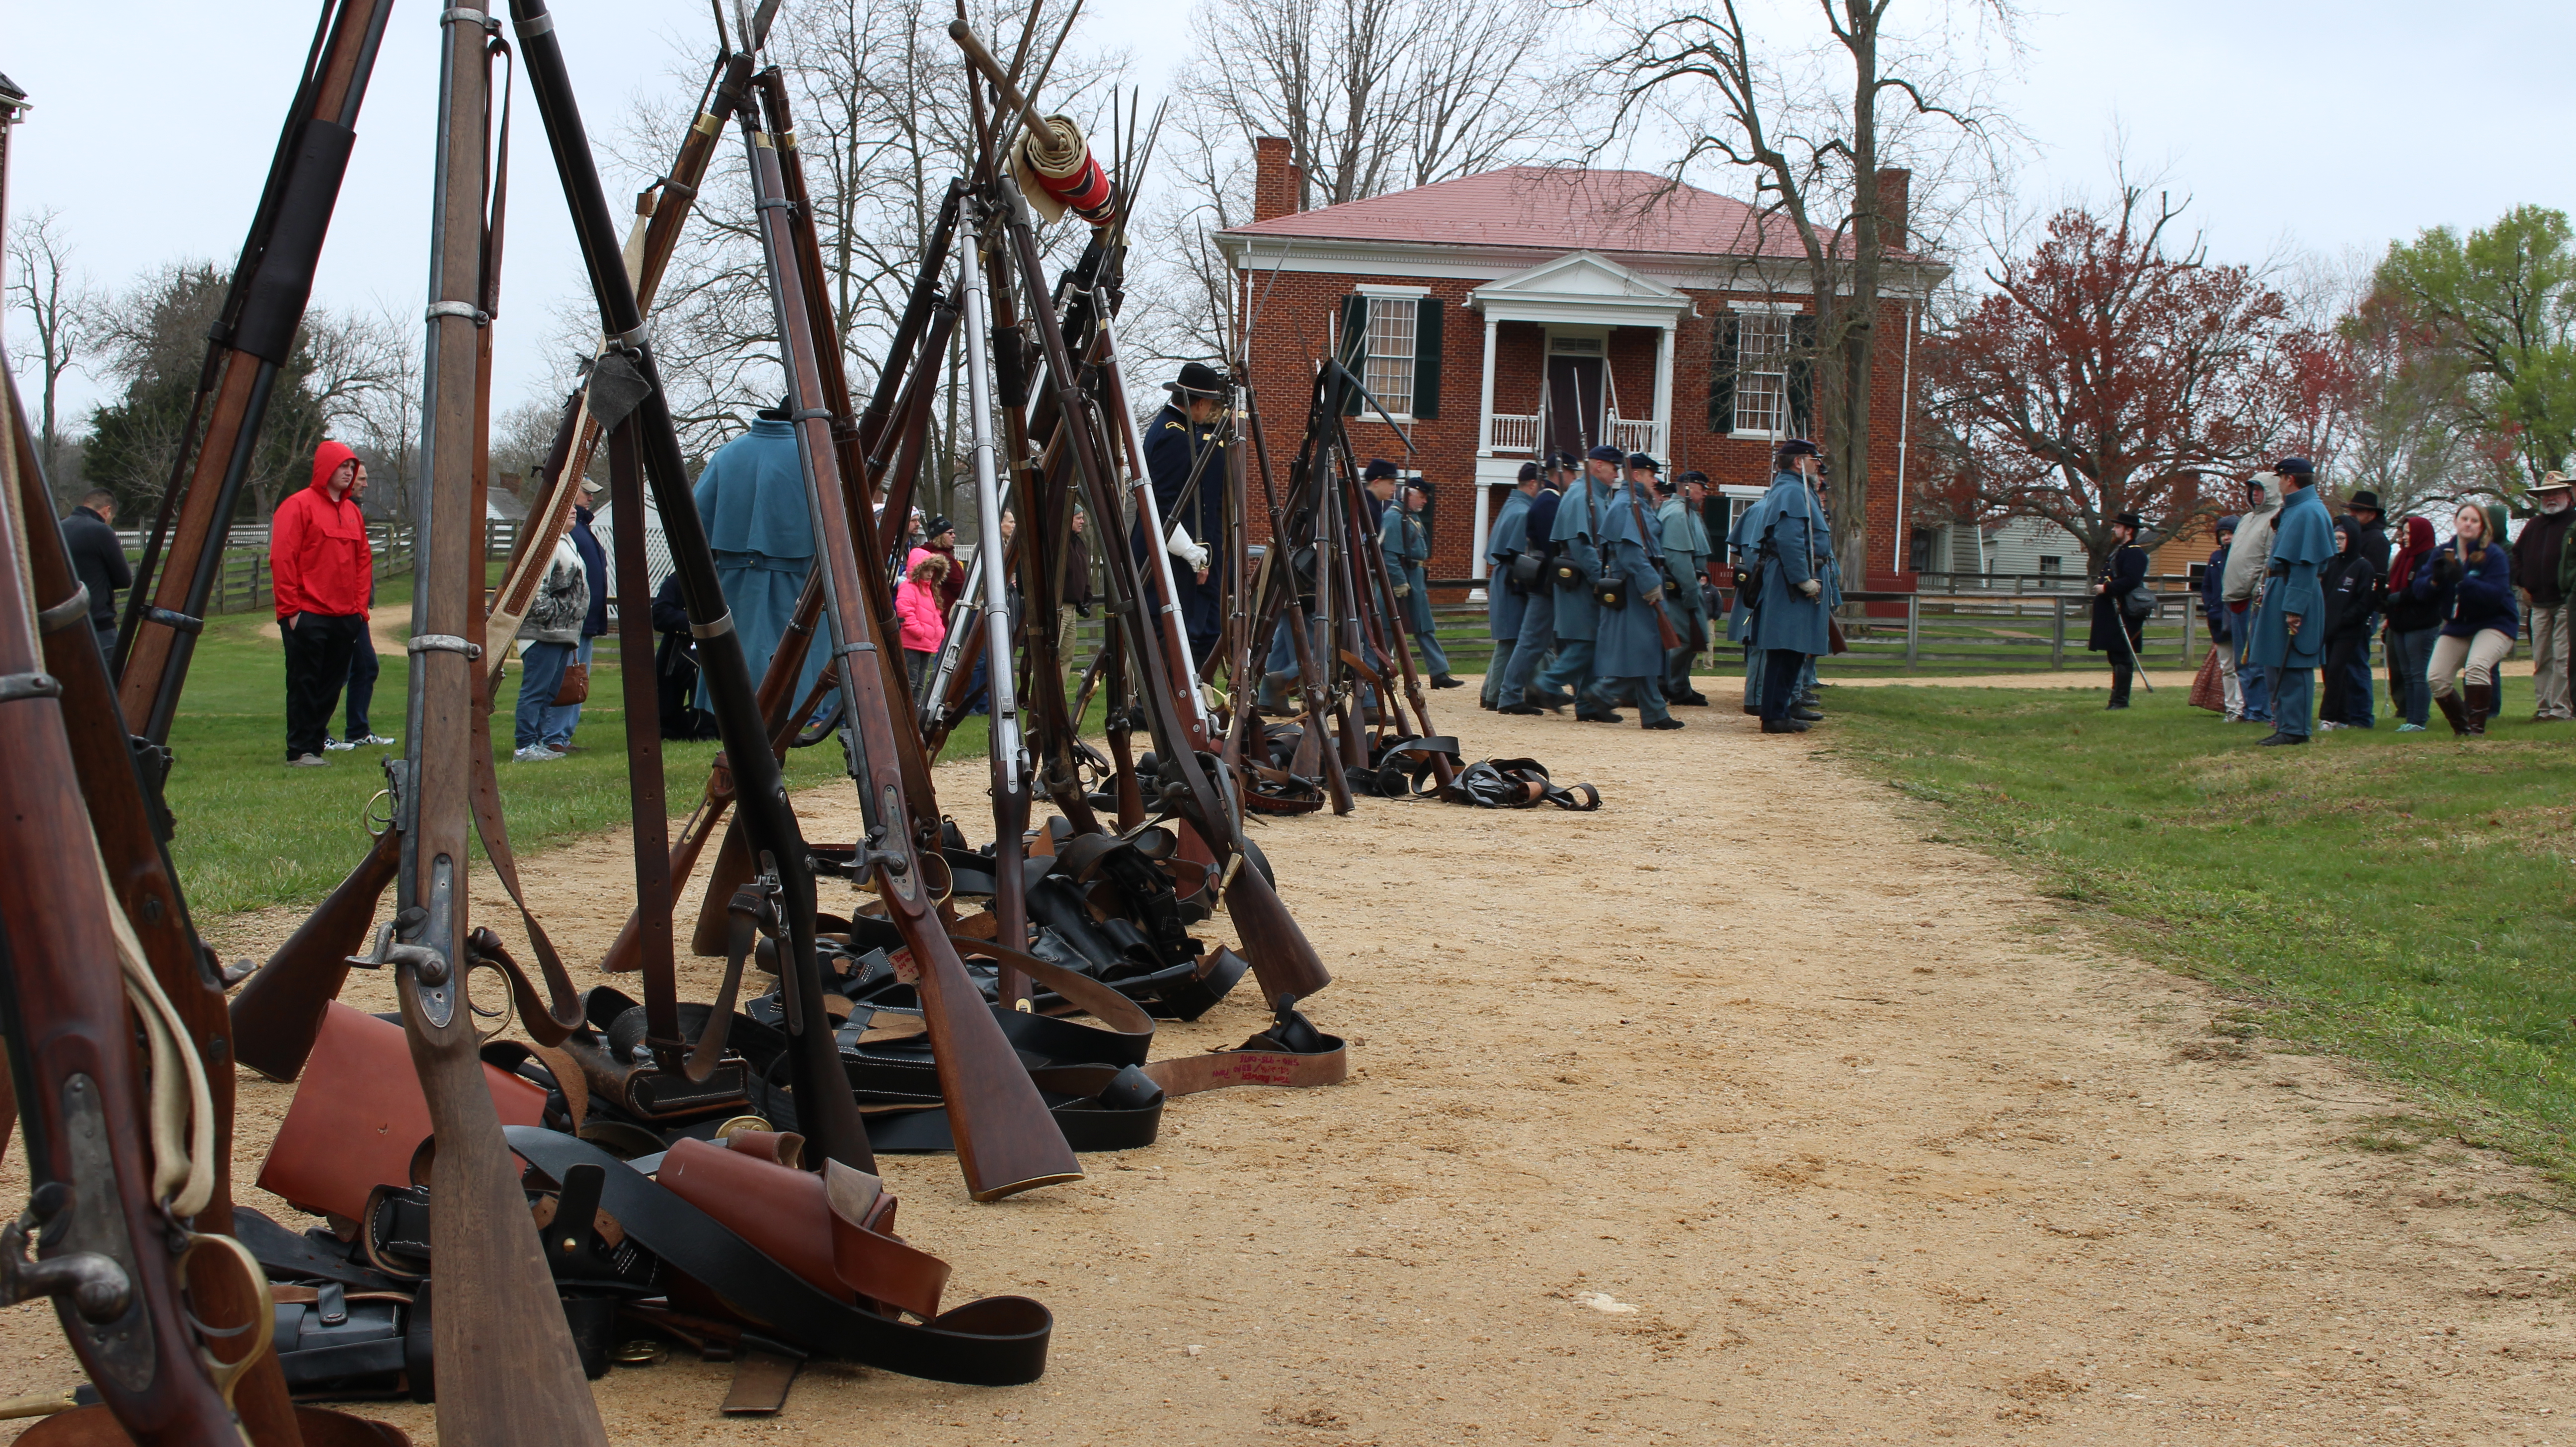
2310	124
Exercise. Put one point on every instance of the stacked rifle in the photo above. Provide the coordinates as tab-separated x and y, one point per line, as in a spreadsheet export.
701	1172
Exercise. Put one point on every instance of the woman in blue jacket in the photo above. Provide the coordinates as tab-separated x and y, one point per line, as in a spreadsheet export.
2480	630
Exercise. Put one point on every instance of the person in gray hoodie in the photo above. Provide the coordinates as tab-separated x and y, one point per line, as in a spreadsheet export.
2247	559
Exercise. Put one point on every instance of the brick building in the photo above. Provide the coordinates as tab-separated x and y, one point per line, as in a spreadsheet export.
1534	309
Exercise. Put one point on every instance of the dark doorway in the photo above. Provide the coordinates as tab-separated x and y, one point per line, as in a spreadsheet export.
1574	421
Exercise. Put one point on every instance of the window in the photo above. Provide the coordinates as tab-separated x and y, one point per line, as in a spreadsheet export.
1762	373
2050	565
1389	373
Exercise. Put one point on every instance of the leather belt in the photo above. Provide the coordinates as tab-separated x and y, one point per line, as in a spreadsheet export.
1000	1341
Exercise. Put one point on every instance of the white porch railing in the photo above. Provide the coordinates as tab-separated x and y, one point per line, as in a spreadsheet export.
1518	432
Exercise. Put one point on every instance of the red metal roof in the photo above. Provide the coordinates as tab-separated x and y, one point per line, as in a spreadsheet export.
1553	209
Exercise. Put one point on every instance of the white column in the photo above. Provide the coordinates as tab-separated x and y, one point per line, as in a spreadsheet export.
1484	501
1485	428
1664	391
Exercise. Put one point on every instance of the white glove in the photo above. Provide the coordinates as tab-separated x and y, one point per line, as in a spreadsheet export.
1654	595
1188	550
1404	590
1811	589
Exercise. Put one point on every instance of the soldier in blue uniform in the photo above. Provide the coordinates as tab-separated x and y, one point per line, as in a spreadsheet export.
1189	495
1788	620
1628	641
2289	623
1407	546
1522	693
1741	540
1504	539
1577	537
1686	550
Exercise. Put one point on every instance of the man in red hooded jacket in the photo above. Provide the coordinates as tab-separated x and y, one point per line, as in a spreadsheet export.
318	555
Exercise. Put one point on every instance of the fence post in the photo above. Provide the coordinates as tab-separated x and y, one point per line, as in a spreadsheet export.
1913	628
2186	632
2057	634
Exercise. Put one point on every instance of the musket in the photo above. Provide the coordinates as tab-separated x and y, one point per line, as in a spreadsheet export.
826	1113
132	836
117	1167
509	1373
1006	1141
253	338
1279	950
1280	566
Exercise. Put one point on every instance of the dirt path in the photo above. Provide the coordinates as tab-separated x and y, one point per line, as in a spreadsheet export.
1736	1112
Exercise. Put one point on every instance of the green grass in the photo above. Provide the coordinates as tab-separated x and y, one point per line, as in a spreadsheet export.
2401	899
253	833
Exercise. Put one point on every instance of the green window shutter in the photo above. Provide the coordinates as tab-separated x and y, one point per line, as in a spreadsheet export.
1426	358
1354	348
1721	374
1802	375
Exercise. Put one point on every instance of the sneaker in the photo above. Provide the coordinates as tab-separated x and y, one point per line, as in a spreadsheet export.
337	747
2410	728
308	761
374	741
535	754
2327	726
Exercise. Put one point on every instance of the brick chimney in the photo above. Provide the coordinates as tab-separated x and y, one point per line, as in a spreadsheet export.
1895	185
1275	179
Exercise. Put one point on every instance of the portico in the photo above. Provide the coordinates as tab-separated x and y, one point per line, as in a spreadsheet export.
1554	359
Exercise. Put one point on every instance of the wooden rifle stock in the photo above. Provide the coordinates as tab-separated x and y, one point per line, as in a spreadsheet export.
277	1012
123	815
1280	952
1006	1141
507	1370
107	1243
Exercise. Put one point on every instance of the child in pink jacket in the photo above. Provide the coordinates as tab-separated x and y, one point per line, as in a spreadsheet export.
916	603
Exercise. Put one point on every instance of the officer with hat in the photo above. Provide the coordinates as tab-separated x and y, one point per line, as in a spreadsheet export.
1578	535
1505	537
1786	621
1185	458
2289	623
1686	553
1406	544
1521	693
1628	636
2115	630
1379	480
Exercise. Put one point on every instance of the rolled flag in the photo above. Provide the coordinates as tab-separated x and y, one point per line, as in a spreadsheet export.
1058	173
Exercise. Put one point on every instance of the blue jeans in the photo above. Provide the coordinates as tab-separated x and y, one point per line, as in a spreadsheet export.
541	671
2255	682
2294	698
362	687
2362	703
2409	653
562	719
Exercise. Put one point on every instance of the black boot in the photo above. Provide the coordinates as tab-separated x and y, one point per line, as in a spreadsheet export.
1442	680
2481	702
2452	710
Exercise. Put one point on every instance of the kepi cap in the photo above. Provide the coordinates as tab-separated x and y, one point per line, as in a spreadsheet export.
2294	467
1378	467
1529	472
1639	459
1606	453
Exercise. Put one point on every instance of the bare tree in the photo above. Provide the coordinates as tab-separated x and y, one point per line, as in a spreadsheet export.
63	311
1816	154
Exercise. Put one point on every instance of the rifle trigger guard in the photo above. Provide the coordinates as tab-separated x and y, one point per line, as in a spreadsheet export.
15	686
443	643
65	613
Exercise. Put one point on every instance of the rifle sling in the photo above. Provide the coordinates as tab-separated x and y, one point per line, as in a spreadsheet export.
548	1023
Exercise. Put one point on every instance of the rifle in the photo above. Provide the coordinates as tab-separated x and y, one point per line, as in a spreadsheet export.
253	337
132	835
1280	564
496	1300
117	1168
1279	950
1006	1141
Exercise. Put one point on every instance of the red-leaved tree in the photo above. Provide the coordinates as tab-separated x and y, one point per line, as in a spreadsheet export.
2104	374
